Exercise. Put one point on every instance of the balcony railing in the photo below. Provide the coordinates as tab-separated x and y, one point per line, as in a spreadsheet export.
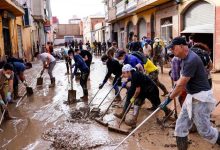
131	5
120	8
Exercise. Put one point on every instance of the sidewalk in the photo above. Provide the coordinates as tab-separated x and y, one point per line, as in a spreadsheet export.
31	76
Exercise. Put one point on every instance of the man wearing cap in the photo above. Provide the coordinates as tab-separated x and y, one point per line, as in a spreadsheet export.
124	58
199	101
141	87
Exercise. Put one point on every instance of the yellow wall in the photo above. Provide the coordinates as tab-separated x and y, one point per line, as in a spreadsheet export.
1	40
13	35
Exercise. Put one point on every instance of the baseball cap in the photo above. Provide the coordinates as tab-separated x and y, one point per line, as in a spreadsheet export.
127	67
120	53
177	41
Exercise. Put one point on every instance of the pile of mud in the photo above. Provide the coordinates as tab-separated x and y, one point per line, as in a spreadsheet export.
68	138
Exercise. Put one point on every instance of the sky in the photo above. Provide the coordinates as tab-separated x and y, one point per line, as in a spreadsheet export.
65	9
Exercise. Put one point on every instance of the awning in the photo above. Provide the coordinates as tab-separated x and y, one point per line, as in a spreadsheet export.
12	7
205	28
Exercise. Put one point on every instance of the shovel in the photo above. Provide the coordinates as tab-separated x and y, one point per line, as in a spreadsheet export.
100	120
40	79
29	90
118	129
71	92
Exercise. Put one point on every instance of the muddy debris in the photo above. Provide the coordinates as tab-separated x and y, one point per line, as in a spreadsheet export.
64	137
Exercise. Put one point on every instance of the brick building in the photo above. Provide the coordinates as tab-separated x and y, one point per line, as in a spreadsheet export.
164	19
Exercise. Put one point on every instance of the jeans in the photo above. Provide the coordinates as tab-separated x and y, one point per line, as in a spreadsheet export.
83	80
200	117
50	69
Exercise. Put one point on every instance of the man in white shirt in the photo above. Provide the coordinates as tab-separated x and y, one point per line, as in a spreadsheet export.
49	63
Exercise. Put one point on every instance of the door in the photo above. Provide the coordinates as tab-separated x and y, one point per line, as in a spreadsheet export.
20	47
6	37
142	28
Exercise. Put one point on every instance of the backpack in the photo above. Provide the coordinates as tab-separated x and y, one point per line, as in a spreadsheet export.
203	55
140	56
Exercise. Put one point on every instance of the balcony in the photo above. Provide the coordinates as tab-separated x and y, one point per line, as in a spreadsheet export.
146	4
111	14
12	6
38	12
120	8
132	4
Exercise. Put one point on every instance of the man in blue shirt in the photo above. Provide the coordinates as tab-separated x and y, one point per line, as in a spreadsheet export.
130	59
19	69
84	69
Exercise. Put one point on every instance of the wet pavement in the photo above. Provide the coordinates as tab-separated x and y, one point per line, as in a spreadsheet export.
45	122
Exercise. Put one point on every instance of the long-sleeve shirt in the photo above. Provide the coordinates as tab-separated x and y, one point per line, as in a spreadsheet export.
114	67
175	68
80	63
132	60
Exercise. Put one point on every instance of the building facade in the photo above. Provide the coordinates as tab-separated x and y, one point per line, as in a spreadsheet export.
165	19
22	27
93	28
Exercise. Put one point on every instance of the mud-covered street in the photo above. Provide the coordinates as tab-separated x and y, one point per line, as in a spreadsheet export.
44	121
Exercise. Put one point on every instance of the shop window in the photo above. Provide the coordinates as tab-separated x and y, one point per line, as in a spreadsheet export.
166	28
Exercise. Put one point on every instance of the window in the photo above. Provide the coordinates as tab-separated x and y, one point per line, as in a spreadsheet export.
166	28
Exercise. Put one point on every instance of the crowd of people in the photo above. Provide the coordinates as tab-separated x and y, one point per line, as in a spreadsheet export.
136	69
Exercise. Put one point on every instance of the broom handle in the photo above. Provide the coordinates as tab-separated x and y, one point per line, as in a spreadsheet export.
71	75
109	92
94	97
129	106
112	103
3	114
145	120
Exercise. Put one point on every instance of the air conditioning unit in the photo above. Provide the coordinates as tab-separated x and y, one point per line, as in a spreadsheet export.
26	18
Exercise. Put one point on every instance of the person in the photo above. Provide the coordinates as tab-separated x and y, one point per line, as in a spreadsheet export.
111	51
84	69
175	75
87	57
104	47
72	44
88	46
109	43
95	44
124	58
153	72
80	45
157	53
99	44
202	51
141	87
113	67
49	63
147	50
18	69
199	102
135	45
6	75
76	45
67	58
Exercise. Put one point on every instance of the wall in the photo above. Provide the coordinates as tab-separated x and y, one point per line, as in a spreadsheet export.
2	53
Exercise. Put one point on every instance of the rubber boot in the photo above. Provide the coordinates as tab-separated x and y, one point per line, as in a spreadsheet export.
52	83
133	120
218	140
182	143
119	115
85	96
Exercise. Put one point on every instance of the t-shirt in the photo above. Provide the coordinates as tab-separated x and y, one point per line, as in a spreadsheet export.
18	67
3	78
140	80
45	56
132	60
192	66
135	46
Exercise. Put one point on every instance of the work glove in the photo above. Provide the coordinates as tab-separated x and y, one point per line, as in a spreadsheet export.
124	84
101	85
165	103
2	103
25	83
8	97
132	100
